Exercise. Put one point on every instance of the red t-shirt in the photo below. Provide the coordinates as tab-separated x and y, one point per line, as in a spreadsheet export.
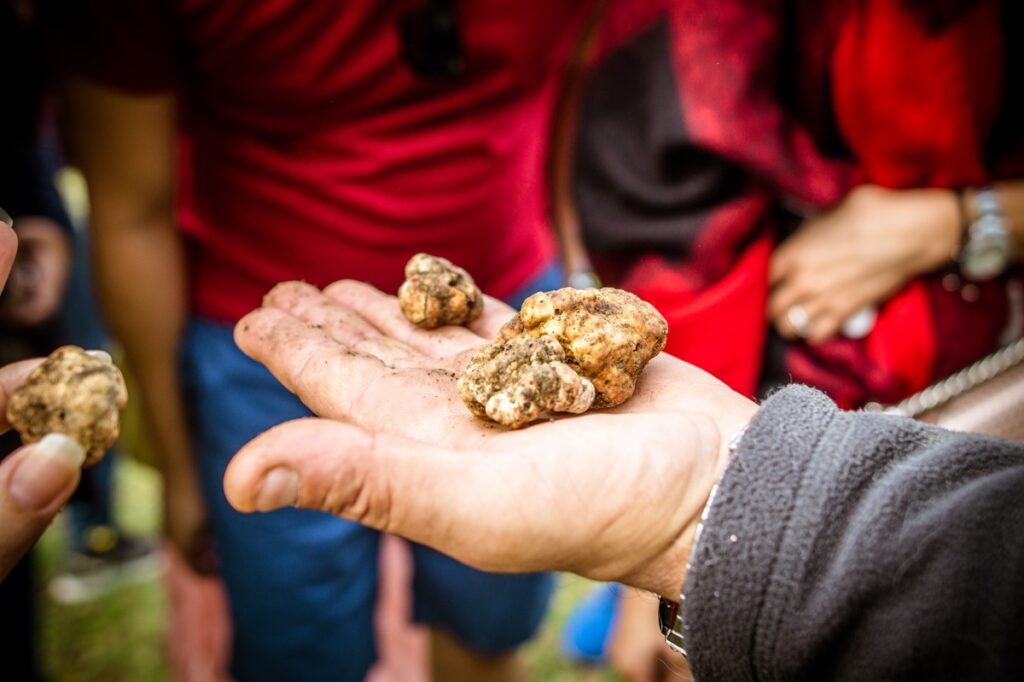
311	151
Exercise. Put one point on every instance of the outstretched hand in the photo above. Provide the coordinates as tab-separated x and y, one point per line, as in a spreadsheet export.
612	495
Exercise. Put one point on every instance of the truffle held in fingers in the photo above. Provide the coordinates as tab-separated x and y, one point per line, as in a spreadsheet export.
72	393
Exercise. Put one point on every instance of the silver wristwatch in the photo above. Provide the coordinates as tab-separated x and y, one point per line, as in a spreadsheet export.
988	246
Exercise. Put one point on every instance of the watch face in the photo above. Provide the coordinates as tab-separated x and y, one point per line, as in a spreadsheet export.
986	263
987	252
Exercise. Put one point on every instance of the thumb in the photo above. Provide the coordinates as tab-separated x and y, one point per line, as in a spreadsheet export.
35	482
454	501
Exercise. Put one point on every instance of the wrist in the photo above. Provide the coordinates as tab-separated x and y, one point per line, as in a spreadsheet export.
951	219
731	429
670	609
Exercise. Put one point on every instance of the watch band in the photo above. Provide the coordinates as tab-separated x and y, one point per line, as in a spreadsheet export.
670	613
670	620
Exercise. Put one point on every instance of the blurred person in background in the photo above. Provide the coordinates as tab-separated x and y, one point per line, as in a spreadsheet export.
35	482
229	146
32	322
850	171
28	305
48	302
101	555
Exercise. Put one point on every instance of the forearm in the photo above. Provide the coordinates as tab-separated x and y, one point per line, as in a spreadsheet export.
141	280
127	147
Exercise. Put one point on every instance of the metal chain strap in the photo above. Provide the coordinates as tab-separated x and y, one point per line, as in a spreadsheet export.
974	375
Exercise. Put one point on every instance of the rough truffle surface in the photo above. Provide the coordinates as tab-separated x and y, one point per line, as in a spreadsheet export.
71	393
437	293
514	382
608	335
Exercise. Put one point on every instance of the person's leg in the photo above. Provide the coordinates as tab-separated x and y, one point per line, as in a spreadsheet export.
90	506
100	557
301	584
479	619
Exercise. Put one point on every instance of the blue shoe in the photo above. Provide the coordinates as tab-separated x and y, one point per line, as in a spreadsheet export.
586	631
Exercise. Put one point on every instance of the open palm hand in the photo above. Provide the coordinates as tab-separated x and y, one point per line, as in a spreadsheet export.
613	494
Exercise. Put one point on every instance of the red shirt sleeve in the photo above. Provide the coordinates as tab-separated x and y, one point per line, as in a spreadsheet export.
129	45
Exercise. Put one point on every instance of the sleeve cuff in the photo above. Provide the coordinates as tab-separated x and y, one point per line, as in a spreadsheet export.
726	584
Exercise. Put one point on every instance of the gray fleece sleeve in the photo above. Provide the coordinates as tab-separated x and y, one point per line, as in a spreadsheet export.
848	545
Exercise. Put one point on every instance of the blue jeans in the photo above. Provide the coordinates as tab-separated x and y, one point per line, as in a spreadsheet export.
302	584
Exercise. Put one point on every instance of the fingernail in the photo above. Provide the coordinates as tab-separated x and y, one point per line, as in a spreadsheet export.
100	355
280	489
46	471
5	218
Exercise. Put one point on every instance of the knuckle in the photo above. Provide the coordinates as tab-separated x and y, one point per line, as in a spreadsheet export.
285	292
343	288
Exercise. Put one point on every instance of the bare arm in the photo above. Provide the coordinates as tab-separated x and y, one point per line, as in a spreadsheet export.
126	145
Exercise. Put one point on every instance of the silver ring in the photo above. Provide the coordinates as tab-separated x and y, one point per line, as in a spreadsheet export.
799	321
860	324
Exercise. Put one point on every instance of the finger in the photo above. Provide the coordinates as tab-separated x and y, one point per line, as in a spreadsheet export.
310	305
795	289
270	334
780	265
825	327
35	482
335	381
8	247
496	313
382	311
11	377
781	304
458	502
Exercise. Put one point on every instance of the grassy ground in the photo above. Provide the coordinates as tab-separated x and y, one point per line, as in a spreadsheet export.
118	638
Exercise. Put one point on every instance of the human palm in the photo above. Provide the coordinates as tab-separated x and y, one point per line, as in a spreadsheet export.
611	495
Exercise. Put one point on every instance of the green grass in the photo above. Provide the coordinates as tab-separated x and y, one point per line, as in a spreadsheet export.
119	637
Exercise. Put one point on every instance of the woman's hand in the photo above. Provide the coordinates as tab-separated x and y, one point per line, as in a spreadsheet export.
858	254
613	495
